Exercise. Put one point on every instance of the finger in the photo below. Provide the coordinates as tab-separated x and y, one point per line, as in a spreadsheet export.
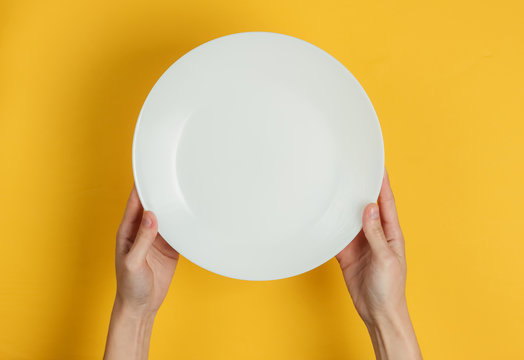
145	237
373	229
165	249
351	253
388	210
130	221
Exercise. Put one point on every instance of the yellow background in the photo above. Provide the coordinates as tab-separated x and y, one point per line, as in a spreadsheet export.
447	82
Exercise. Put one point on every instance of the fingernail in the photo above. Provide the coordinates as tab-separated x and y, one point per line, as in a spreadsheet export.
373	212
146	220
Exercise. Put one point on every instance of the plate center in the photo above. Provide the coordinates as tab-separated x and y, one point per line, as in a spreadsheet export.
257	166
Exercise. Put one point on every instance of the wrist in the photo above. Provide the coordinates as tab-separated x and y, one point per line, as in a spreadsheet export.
393	336
132	311
391	315
133	315
129	332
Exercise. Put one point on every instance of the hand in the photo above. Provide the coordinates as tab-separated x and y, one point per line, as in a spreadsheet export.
374	268
145	265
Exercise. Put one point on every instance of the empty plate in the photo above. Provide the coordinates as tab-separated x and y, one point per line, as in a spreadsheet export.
258	153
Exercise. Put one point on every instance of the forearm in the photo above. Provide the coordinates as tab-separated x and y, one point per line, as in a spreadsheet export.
129	334
393	336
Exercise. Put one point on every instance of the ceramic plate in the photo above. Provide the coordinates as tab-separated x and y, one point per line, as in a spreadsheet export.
258	153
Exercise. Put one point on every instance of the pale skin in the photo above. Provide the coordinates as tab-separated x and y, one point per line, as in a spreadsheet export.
373	265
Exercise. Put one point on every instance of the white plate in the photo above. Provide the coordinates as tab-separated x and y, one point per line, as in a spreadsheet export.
258	153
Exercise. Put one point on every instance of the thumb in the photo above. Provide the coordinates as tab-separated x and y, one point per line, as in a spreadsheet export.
145	237
372	227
